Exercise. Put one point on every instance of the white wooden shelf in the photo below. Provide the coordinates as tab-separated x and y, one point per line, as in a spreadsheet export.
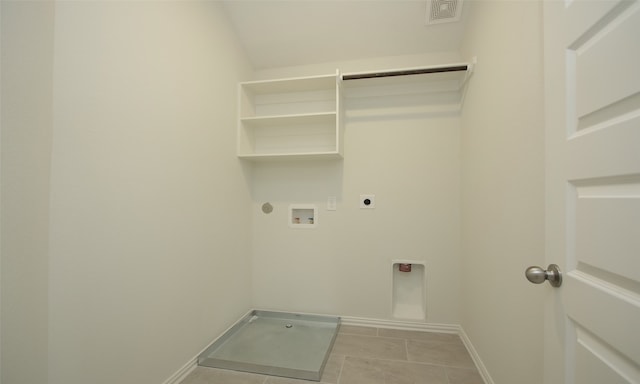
294	84
290	118
284	120
302	117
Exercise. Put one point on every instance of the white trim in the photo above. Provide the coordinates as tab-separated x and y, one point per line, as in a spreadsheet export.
402	325
182	372
177	377
186	369
426	327
484	373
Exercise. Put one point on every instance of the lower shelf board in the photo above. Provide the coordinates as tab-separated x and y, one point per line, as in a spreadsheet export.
291	156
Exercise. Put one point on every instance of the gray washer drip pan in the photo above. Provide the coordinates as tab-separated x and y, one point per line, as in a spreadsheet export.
275	343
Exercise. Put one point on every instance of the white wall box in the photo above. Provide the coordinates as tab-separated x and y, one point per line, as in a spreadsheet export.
303	216
409	290
290	118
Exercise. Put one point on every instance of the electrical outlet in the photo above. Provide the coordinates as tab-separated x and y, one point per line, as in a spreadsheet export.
367	201
331	203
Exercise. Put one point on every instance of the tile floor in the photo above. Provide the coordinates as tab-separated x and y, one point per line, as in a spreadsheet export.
364	355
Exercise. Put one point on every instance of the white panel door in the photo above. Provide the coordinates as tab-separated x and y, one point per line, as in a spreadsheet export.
592	103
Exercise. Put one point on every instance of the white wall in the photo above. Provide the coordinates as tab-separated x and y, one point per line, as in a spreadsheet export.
503	189
27	44
146	214
132	252
410	160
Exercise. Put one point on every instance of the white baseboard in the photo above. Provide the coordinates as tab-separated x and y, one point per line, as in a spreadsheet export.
377	323
484	373
186	369
182	372
400	324
426	327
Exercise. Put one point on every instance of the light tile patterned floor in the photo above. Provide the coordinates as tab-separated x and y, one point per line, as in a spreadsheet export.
363	355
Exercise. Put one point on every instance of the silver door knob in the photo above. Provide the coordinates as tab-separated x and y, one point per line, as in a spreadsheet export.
538	275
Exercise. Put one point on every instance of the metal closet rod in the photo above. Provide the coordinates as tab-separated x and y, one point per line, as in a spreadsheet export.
421	71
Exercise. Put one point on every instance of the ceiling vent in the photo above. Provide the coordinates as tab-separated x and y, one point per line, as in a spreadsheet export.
443	11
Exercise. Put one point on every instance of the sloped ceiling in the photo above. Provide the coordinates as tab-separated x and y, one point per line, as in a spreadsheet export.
281	33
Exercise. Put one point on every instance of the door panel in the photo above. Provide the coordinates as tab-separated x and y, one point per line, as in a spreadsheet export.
592	99
599	83
595	242
593	355
584	16
590	155
602	308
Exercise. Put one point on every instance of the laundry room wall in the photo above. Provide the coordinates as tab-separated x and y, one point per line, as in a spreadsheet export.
26	122
503	189
404	154
149	237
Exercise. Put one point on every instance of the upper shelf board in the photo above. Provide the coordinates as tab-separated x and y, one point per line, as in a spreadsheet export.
299	84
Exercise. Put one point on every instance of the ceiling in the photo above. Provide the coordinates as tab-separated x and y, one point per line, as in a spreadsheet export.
282	33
